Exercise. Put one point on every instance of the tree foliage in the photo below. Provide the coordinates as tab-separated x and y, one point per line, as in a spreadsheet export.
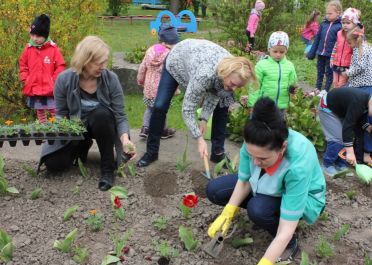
71	20
285	15
118	7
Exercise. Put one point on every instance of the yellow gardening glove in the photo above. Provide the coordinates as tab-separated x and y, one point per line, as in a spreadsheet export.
265	261
224	218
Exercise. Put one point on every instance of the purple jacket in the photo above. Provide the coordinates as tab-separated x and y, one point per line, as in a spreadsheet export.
325	38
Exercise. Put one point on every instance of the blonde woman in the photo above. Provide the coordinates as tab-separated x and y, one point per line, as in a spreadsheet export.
206	71
92	93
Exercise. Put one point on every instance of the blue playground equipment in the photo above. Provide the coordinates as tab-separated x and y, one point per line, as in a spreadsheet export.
149	2
175	21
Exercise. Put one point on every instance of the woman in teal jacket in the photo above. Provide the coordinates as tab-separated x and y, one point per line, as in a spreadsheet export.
275	74
279	182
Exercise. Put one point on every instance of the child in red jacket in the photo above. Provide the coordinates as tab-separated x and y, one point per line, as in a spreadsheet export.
40	64
341	54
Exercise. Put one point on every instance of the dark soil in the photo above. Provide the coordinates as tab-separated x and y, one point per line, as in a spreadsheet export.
154	192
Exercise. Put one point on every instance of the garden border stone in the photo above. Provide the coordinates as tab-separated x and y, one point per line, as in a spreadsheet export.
127	73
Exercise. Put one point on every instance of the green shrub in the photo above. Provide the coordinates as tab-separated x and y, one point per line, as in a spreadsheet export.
302	118
136	55
70	22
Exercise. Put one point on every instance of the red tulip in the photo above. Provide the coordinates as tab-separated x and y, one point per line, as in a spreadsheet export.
190	200
117	202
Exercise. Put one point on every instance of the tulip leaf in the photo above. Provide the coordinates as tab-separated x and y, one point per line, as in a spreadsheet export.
69	212
36	193
109	260
119	191
187	238
12	190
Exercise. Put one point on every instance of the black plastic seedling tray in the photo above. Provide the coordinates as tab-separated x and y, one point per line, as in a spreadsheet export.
39	137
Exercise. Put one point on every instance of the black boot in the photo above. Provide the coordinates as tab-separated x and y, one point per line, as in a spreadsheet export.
147	159
106	181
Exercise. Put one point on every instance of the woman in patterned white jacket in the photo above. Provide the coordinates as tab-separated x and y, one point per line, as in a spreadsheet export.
206	71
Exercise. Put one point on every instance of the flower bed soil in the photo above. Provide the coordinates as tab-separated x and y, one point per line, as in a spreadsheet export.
153	192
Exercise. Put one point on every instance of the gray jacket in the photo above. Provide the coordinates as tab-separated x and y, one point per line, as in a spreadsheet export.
67	97
193	64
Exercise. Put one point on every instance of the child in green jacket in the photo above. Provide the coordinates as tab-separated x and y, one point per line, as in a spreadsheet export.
275	74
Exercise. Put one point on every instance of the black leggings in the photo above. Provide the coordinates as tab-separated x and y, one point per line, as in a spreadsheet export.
101	126
250	39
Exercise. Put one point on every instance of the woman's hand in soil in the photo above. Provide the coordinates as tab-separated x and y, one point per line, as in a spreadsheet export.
128	146
202	147
223	221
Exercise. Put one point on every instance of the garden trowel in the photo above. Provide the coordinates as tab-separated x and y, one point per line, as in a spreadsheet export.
363	172
214	247
207	170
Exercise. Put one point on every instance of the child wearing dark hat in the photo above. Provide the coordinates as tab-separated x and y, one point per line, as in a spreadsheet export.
149	74
40	64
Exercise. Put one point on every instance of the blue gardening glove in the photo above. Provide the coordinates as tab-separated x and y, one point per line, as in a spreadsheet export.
223	221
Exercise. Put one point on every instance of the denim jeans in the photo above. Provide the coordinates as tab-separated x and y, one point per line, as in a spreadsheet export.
323	67
263	210
308	44
331	157
100	126
167	87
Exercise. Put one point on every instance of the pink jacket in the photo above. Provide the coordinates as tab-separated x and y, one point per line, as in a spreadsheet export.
150	69
342	52
309	32
252	23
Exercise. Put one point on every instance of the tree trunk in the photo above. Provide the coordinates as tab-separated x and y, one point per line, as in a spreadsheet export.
174	6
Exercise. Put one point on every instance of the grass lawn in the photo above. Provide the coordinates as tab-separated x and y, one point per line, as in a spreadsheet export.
135	108
122	36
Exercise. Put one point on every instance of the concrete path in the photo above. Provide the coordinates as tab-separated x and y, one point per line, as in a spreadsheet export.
170	149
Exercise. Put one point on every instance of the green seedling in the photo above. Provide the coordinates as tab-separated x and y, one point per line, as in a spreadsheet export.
231	165
239	242
81	255
324	216
186	211
161	222
132	169
7	247
302	225
305	260
95	221
324	249
182	163
65	246
341	232
351	194
187	238
164	249
36	193
120	245
367	261
69	212
76	190
82	168
4	187
30	171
